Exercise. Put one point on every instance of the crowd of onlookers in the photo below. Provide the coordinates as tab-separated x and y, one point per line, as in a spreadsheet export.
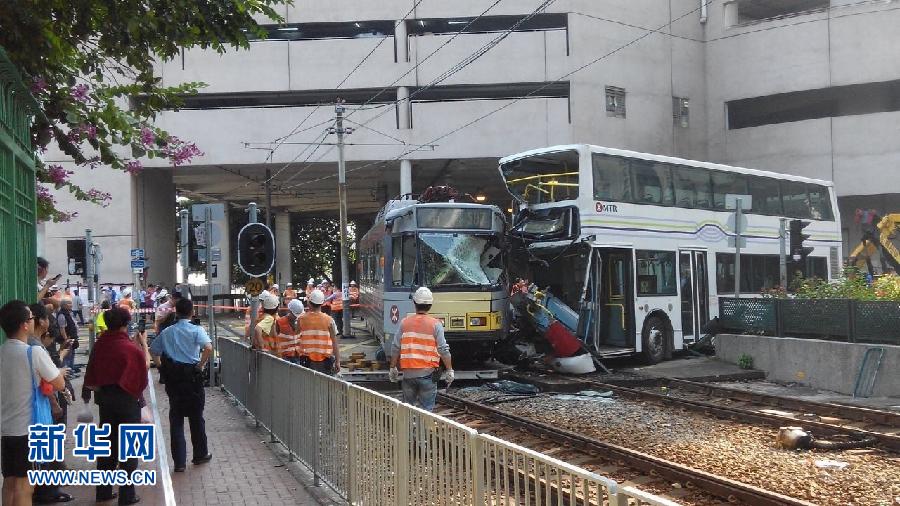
37	365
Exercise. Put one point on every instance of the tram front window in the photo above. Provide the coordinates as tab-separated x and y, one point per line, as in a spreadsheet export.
460	260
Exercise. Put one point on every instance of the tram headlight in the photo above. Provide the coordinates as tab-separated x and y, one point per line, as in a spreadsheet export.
478	321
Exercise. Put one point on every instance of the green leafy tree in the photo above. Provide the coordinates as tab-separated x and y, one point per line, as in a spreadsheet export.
90	64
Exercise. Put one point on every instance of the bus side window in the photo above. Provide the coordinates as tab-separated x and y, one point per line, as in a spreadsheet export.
820	202
692	188
652	182
612	181
766	195
725	183
795	200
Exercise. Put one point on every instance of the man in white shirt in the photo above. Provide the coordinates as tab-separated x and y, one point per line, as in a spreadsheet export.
15	398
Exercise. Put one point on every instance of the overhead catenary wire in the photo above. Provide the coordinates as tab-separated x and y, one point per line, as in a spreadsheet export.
428	57
347	77
465	62
518	99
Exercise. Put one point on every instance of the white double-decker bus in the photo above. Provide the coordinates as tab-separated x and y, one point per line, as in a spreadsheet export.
638	244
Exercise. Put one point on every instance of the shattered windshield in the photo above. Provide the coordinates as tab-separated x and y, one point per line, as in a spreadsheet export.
460	259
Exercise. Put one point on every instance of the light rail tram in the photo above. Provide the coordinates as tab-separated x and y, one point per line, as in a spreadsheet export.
454	246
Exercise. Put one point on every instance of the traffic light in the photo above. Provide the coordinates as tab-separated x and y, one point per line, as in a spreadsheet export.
76	252
799	252
256	249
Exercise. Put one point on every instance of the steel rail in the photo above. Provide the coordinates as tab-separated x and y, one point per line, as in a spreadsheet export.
845	411
719	486
889	441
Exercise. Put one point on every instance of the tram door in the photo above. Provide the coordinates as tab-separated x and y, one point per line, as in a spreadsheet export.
694	293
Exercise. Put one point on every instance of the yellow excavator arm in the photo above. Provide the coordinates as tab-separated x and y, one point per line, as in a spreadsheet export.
888	227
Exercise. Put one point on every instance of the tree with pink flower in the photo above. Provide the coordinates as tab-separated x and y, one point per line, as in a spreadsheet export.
84	63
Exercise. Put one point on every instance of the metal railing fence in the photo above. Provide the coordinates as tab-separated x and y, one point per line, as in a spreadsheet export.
855	321
372	449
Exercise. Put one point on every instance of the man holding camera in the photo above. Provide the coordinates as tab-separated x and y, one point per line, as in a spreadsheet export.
181	351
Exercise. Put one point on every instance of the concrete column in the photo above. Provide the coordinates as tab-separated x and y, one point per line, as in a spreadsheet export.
402	46
404	109
731	13
282	231
153	224
405	177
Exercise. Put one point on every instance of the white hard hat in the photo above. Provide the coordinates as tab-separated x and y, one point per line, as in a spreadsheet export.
295	306
423	296
290	284
275	285
353	283
311	281
268	300
317	297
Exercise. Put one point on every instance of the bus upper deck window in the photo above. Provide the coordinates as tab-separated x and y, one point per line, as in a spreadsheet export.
820	202
692	188
652	182
766	195
612	179
795	199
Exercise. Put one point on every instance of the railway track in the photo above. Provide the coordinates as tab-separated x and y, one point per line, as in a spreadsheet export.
847	422
618	462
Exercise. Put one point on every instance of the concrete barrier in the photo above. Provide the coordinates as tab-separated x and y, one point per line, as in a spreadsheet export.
828	365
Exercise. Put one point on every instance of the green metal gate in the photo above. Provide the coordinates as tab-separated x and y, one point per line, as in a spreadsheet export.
18	234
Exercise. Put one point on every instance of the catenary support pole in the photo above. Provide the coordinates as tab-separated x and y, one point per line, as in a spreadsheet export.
737	247
185	245
209	297
90	275
782	257
342	194
254	301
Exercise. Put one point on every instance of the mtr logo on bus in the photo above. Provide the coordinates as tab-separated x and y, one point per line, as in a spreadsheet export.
606	208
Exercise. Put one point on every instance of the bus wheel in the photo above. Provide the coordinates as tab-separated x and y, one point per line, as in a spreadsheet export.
655	339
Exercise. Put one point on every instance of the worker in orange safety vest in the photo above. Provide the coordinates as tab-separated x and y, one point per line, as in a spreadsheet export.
354	293
289	294
264	333
288	332
418	349
318	337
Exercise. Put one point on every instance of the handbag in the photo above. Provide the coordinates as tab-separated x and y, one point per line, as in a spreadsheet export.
40	404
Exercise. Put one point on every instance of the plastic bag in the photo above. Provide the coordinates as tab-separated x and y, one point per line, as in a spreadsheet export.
146	415
84	414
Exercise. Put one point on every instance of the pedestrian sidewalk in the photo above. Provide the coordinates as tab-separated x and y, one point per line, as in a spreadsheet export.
244	469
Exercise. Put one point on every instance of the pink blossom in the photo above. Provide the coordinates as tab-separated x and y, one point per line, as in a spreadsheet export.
180	152
38	85
74	136
147	136
89	130
134	167
58	175
79	93
92	162
43	194
100	197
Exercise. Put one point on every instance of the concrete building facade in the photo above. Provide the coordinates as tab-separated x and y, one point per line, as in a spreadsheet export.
436	92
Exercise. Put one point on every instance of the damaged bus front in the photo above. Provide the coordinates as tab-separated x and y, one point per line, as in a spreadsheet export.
637	246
